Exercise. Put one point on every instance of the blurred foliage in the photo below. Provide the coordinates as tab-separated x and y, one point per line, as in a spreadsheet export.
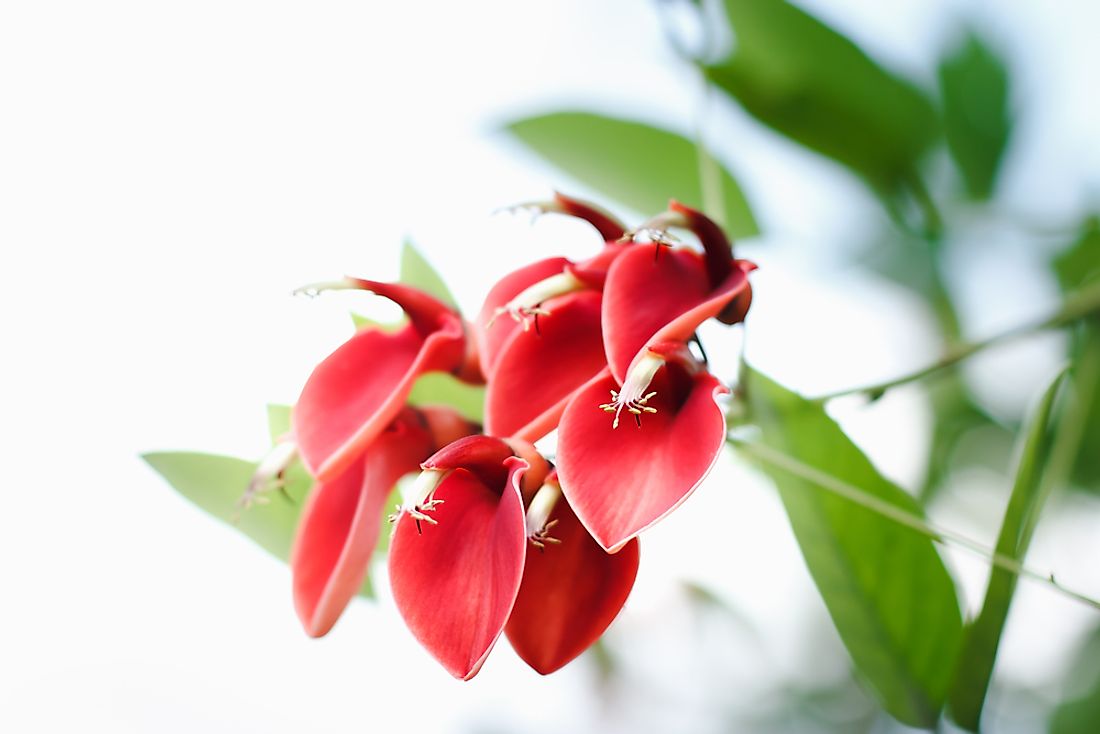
1075	267
885	586
218	483
982	636
957	417
976	121
418	272
1079	713
635	164
803	79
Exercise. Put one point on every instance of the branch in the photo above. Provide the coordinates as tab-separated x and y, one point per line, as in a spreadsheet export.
1081	304
896	514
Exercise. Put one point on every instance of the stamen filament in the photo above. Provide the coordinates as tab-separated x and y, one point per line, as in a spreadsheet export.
420	498
527	304
633	396
538	520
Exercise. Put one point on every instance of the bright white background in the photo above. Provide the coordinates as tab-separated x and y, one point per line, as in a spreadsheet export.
169	172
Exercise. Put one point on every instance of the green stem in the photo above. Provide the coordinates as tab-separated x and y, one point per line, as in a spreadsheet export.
1069	432
1081	304
710	173
896	514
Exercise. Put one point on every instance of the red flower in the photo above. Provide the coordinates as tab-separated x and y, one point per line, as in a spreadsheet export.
656	294
540	326
358	390
342	518
572	588
621	482
458	548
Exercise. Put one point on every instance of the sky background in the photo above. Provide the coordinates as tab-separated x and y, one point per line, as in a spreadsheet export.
169	172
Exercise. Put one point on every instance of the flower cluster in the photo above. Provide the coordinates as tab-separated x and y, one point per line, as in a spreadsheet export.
492	537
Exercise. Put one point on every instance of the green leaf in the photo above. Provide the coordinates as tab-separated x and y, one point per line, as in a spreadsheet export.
635	164
1076	267
360	321
975	89
982	636
885	586
217	483
441	388
1079	713
278	421
1079	264
416	271
955	417
803	79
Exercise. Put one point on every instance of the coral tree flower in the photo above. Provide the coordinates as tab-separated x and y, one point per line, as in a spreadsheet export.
541	326
572	588
343	516
621	481
459	545
358	390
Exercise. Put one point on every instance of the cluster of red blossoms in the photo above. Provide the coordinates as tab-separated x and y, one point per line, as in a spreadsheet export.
493	537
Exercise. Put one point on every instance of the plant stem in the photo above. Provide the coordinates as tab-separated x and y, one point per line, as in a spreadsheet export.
896	514
1070	430
710	174
1078	306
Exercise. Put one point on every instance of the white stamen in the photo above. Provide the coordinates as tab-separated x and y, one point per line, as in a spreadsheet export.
420	497
538	520
633	396
527	303
269	475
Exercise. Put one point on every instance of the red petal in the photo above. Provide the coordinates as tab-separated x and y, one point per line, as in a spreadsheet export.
665	299
571	592
593	271
717	250
643	293
684	325
492	338
606	224
538	371
341	522
361	387
455	584
621	481
484	456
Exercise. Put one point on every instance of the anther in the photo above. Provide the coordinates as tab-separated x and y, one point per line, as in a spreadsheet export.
421	499
270	476
538	520
632	396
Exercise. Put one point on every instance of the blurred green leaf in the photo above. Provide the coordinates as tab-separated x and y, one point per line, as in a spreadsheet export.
278	421
955	417
803	79
360	321
975	89
441	388
1076	267
416	271
217	483
982	636
1080	711
633	163
885	586
1079	264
